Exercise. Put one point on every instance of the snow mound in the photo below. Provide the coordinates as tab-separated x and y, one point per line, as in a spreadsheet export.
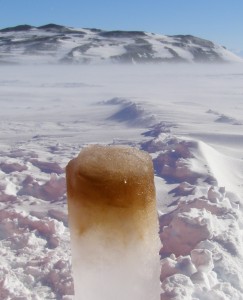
12	167
130	113
227	119
222	118
51	190
175	161
47	167
201	233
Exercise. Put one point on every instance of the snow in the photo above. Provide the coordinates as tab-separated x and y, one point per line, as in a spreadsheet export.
48	114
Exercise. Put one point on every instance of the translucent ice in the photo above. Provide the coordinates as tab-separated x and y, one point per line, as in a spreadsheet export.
113	223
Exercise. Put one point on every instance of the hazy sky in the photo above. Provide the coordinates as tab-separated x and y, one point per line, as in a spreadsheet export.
218	20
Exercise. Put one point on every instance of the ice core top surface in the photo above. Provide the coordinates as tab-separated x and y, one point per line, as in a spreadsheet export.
110	186
116	162
113	172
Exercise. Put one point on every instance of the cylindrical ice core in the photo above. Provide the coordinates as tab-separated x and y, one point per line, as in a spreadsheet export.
113	224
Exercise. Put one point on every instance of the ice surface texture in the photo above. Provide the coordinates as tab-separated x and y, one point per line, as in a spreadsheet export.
113	223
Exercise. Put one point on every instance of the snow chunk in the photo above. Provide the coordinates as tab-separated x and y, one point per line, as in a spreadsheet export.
177	287
202	259
180	265
52	190
185	231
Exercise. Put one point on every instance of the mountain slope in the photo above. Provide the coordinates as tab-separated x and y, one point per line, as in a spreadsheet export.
53	43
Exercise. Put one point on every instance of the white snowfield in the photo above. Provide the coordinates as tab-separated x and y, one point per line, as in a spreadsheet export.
188	118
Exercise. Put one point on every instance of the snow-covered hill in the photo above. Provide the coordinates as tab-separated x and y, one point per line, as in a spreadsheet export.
59	44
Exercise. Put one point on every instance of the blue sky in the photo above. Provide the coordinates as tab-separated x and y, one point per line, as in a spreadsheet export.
218	20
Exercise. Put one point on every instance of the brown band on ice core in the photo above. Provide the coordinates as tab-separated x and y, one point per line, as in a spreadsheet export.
111	188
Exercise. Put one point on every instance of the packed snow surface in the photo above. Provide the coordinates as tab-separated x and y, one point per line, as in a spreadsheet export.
189	119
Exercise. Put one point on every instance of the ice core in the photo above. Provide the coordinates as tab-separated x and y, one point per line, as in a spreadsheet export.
113	224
